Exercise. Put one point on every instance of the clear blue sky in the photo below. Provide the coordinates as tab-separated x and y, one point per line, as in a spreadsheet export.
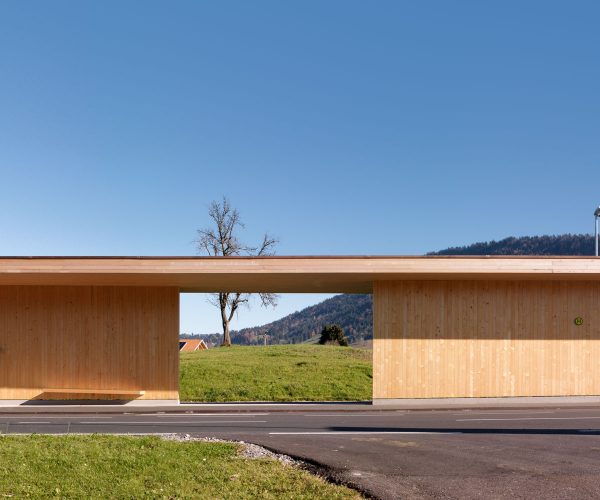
342	127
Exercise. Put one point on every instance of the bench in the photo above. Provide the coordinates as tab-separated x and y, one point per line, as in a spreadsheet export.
112	392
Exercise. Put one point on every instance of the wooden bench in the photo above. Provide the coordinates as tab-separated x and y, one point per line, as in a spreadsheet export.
112	392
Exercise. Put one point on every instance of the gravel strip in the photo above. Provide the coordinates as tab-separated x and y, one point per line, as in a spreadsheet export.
247	450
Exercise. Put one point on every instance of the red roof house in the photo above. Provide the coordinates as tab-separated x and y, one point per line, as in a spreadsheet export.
191	345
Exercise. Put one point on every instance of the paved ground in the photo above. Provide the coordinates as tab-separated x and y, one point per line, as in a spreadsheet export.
546	453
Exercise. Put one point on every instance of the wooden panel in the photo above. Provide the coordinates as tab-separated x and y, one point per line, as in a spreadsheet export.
285	274
105	338
436	339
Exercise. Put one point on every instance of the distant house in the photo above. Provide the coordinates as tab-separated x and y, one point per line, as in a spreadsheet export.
191	345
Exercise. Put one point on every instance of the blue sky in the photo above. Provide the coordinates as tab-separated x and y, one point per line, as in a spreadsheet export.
342	127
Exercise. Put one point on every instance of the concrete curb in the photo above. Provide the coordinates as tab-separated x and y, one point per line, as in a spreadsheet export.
308	407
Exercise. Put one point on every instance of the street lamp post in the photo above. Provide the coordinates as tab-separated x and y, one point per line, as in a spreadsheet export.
596	216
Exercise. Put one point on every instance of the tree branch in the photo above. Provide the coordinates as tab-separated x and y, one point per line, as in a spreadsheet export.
223	241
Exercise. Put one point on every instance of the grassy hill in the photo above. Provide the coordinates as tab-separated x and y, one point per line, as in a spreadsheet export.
277	373
354	312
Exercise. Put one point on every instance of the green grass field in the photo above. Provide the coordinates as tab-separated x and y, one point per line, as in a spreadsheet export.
147	467
277	373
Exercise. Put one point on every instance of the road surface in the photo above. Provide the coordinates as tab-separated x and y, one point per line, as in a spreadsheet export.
548	453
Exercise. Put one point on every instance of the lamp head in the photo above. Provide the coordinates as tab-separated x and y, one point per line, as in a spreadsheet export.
597	212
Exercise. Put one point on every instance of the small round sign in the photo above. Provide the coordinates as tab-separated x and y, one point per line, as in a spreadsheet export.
578	321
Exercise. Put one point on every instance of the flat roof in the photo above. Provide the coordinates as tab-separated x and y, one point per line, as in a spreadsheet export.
294	274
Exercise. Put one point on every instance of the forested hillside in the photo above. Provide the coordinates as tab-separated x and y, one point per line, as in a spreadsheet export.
354	312
564	244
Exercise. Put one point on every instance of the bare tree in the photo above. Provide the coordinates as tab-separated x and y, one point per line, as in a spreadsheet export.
222	241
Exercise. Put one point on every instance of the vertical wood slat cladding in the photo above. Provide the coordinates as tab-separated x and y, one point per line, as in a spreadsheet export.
87	337
438	339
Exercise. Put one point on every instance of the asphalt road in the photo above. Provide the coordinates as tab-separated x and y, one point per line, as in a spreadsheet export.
545	453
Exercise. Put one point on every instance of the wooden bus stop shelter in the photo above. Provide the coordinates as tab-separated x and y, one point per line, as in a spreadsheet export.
444	327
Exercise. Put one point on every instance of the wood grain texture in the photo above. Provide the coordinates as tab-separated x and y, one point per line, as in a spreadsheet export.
285	274
437	339
84	337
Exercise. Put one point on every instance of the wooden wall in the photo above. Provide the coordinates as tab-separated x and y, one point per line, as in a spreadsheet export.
84	337
437	339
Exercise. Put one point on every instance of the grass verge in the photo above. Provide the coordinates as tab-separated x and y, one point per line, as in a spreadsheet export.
277	373
147	467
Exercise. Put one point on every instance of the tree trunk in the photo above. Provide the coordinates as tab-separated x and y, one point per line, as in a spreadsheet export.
225	322
226	336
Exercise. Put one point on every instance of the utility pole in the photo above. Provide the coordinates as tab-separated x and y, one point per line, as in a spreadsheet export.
596	215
